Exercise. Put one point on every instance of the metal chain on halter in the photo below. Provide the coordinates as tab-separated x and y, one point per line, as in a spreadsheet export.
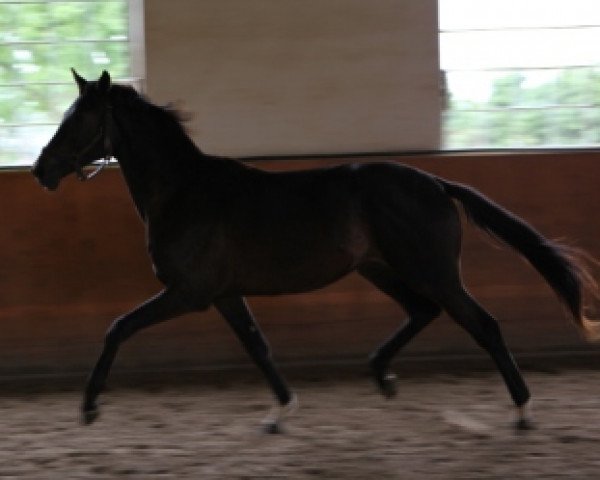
107	146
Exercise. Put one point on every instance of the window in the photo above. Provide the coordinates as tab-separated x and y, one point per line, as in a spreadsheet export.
39	42
520	73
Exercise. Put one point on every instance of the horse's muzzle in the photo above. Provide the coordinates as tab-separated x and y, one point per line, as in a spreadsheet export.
43	175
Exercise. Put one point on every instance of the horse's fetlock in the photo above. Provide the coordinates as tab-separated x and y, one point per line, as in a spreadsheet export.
377	365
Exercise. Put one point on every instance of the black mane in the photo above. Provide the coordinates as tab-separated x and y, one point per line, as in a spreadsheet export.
164	124
130	96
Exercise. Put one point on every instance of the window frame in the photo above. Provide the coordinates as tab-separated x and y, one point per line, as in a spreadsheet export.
136	63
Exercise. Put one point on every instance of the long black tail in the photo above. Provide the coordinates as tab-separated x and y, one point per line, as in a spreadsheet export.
563	267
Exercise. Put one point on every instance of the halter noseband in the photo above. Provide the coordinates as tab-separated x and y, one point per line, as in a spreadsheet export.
107	145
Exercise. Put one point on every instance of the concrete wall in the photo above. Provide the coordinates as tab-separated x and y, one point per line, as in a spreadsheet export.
74	260
275	77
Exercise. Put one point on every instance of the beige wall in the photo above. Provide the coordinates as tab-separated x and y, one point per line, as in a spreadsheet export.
298	76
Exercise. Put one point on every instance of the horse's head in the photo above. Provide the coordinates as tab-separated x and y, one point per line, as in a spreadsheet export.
83	136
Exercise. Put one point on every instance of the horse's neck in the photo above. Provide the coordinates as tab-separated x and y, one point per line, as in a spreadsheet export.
156	167
153	171
134	180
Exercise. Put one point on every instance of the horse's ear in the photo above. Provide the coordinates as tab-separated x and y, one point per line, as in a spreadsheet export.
81	82
104	82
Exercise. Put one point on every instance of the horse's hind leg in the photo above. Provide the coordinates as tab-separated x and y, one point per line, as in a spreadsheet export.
165	305
238	316
420	310
486	332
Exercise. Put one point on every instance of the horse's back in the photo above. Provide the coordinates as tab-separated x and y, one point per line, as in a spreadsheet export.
282	232
318	225
295	231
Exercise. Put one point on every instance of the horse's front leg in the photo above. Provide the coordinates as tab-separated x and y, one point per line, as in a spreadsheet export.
238	315
167	304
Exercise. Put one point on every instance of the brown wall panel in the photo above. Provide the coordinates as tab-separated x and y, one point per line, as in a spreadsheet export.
74	260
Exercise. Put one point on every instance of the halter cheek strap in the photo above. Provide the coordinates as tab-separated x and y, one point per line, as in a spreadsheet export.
107	146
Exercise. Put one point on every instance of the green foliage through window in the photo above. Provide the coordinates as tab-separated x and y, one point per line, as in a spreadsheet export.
520	73
560	112
39	42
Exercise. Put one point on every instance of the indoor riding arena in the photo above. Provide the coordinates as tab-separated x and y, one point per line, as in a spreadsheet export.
286	86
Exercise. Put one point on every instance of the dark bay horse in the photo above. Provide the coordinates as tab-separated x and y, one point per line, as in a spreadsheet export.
218	230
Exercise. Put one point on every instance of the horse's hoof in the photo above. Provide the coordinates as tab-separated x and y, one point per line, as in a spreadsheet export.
274	420
385	381
89	416
524	420
272	428
387	384
524	425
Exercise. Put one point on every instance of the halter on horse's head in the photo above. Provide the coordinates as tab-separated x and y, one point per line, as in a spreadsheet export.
84	136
